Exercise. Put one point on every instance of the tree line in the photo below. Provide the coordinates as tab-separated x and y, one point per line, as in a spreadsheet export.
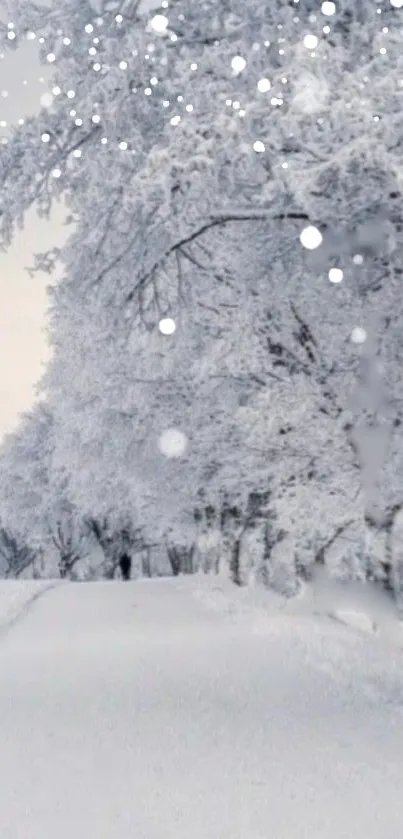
191	153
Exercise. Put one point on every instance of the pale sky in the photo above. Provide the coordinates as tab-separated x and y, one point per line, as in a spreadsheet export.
23	348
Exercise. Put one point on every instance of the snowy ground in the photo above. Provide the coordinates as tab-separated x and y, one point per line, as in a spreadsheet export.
166	709
16	599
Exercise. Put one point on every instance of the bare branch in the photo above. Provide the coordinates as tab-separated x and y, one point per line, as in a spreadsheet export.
219	221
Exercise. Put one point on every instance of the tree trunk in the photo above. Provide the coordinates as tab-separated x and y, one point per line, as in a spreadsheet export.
283	578
235	562
252	552
208	545
181	558
67	562
146	562
396	570
231	522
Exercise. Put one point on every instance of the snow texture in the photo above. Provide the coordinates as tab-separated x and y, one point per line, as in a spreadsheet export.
176	708
16	598
276	379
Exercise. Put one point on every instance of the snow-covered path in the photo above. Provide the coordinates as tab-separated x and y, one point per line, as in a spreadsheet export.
134	710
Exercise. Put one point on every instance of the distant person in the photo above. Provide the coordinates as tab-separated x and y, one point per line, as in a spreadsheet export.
125	564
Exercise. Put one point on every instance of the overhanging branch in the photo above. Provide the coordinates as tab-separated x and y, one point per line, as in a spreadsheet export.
218	221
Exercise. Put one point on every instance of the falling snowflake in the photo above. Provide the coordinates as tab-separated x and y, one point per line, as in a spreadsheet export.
311	238
159	23
167	326
263	85
172	443
46	100
328	8
358	335
238	64
311	42
336	275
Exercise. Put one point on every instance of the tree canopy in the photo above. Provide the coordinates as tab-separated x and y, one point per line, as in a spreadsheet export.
237	168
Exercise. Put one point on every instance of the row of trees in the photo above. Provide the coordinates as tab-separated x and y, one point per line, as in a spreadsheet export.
191	149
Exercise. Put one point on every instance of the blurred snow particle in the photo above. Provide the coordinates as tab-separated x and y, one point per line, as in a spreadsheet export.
311	42
46	100
172	443
167	326
328	8
263	85
358	335
336	275
311	238
238	64
159	23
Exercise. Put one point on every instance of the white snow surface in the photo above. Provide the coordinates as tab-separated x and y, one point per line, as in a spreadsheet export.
17	597
165	709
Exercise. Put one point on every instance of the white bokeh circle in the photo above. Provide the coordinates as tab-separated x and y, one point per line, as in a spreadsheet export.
167	326
311	238
311	42
358	335
172	443
336	275
238	64
159	23
328	8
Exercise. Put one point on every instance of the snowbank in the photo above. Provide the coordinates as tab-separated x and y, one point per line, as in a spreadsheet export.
16	596
360	607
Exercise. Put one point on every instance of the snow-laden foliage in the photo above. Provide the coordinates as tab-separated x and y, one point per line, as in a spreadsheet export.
184	170
191	151
15	554
36	513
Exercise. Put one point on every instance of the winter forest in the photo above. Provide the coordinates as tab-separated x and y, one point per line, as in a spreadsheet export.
225	390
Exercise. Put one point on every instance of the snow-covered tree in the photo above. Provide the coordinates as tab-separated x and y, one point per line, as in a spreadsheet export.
25	457
163	127
36	513
15	555
239	168
250	427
